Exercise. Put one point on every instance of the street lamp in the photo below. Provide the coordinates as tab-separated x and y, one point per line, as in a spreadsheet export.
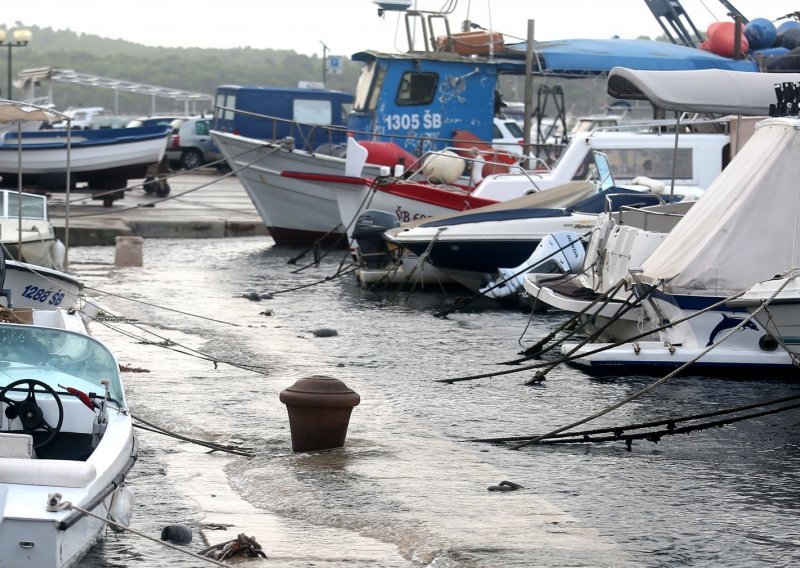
19	38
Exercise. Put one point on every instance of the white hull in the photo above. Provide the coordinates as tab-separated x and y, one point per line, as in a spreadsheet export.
746	350
782	316
55	457
295	210
39	161
596	315
408	272
38	287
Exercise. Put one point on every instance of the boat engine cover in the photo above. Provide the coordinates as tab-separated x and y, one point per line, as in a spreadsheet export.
368	236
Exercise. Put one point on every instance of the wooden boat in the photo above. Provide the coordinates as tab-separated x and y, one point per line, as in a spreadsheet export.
105	159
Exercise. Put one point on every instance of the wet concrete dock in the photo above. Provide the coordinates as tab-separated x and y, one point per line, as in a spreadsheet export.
202	204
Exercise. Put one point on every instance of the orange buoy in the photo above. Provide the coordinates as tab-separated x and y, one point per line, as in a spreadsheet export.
721	37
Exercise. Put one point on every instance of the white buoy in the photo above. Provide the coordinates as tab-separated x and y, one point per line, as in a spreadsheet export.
444	167
128	251
121	508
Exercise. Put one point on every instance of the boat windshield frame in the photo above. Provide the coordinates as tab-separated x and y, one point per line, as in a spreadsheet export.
33	206
58	357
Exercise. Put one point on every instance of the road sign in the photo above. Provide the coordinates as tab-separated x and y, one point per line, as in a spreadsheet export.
334	64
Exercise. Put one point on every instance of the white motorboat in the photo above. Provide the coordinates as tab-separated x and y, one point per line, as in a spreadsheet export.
743	231
472	247
781	314
38	287
598	291
26	233
66	439
622	241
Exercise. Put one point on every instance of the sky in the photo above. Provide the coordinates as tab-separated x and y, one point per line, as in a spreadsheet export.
342	28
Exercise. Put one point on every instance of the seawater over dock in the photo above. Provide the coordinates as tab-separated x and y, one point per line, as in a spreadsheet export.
409	488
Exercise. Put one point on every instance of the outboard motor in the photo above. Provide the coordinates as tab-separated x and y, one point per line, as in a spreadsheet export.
373	250
561	252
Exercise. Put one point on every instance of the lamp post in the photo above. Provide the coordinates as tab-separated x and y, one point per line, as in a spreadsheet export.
19	38
324	61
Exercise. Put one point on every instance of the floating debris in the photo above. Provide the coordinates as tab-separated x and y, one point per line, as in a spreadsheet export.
243	545
216	526
129	369
266	313
505	486
325	332
254	296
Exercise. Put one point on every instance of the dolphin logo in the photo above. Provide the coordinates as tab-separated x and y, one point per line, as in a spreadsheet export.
727	323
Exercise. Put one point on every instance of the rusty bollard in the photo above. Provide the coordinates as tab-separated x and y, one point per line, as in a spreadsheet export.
319	410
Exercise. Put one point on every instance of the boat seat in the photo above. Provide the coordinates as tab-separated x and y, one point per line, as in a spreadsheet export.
58	473
16	445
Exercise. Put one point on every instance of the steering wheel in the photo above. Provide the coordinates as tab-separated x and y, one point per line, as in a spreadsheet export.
29	413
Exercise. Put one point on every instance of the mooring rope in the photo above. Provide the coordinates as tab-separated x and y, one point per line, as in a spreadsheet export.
339	273
583	436
160	307
600	349
664	379
122	528
167	343
463	302
152	203
151	427
621	311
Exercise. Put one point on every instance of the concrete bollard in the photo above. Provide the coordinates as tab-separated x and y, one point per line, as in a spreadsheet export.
128	251
319	410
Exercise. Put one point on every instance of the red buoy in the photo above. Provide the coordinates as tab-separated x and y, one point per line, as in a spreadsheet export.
721	37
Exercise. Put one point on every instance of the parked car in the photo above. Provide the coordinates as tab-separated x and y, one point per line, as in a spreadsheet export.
166	119
507	136
190	145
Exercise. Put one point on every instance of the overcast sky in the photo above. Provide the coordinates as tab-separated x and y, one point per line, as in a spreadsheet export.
348	26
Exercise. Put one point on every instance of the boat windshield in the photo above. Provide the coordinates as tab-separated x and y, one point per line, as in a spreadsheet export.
57	357
33	206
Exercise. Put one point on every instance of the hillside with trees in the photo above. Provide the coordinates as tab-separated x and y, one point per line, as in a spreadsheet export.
202	70
189	69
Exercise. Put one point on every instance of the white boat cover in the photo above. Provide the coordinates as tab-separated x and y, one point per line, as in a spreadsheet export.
716	91
745	228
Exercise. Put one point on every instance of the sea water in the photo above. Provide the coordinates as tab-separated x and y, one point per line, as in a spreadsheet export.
217	328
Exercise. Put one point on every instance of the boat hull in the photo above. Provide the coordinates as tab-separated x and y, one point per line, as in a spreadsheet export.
297	210
124	154
38	287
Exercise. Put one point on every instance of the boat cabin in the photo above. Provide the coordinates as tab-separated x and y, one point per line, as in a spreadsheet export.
422	103
272	113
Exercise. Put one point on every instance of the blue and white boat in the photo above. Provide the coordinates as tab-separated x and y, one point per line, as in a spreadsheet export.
419	101
105	158
701	281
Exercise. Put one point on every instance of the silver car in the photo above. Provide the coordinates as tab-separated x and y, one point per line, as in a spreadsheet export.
190	145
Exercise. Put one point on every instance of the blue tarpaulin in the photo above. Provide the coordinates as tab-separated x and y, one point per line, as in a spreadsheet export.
599	56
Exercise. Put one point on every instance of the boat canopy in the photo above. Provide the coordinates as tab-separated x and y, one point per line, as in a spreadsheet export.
12	111
586	57
745	228
718	91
